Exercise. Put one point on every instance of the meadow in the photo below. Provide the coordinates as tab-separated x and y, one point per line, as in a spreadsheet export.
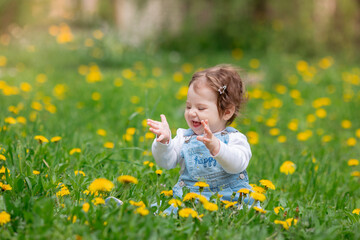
73	110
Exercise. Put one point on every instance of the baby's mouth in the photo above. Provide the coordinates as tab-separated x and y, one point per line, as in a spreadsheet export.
196	124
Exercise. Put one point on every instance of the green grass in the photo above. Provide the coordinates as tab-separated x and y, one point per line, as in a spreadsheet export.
321	187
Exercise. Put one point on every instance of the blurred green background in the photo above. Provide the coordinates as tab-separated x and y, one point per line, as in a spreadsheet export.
307	28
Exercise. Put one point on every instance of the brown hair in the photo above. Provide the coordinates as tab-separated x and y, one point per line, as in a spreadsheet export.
216	78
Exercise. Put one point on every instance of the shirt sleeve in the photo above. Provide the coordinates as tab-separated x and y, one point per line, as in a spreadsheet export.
235	156
168	155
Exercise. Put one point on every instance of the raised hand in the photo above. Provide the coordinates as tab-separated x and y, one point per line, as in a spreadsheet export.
211	142
161	129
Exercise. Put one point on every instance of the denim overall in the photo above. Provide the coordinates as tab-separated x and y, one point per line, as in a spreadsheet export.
200	166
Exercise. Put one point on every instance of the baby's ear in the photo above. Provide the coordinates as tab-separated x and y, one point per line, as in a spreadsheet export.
228	113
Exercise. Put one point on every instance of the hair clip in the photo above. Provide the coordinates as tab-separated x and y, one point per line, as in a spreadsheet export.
222	89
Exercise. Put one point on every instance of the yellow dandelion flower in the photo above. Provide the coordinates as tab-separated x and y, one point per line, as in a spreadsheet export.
4	218
146	162
3	61
254	63
295	94
83	69
5	187
356	211
135	99
271	122
310	118
109	145
321	113
158	172
293	124
131	131
253	137
182	93
283	223
186	212
10	120
151	164
175	202
259	189
21	120
326	62
35	172
267	183
41	78
142	211
210	206
260	210
41	139
346	124
98	34
355	174
86	207
101	132
55	139
137	204
229	204
281	89
178	77
36	106
127	179
167	193
304	136
101	184
277	209
357	133
288	167
128	74
3	169
274	131
75	150
244	191
353	162
96	96
326	138
98	201
79	172
187	67
63	191
258	196
190	196
149	135
201	184
202	198
2	157
302	66
351	142
282	139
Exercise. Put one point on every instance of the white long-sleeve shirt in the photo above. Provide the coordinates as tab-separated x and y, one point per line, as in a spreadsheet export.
234	156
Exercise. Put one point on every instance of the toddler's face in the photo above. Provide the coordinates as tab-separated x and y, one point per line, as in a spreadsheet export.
201	105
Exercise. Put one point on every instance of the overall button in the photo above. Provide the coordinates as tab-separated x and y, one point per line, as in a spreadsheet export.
181	183
241	176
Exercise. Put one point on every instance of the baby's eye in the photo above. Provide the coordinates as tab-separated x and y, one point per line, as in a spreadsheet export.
187	107
201	109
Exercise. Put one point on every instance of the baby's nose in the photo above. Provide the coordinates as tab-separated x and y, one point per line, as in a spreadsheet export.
192	112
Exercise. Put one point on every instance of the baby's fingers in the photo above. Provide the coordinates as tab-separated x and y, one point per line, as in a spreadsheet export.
206	128
203	139
200	138
155	131
160	138
153	123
